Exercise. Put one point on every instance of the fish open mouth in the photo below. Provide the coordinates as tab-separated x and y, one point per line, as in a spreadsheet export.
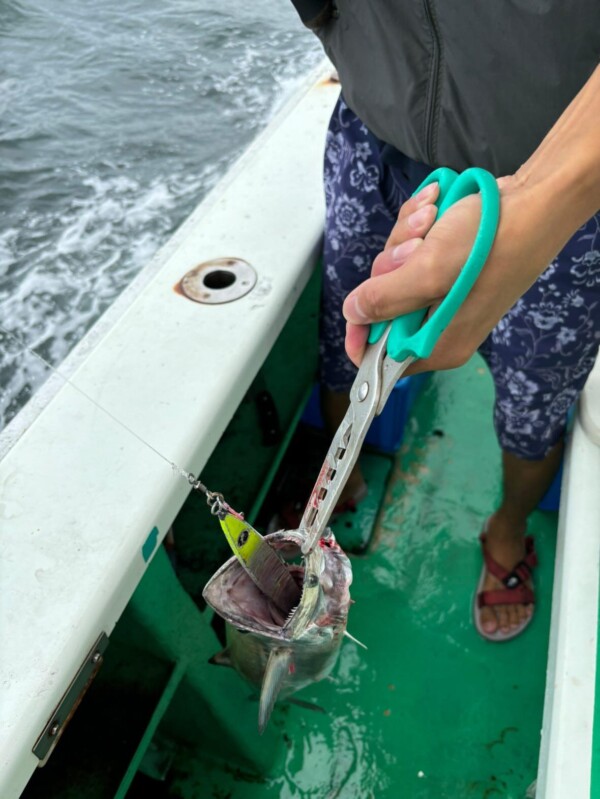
235	597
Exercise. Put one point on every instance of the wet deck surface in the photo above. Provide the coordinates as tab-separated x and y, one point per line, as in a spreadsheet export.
430	710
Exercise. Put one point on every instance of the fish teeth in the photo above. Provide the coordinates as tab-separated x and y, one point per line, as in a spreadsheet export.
290	616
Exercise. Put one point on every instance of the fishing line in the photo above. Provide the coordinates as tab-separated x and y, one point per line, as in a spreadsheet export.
214	499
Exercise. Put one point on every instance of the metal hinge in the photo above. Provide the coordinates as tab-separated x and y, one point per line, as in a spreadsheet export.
67	706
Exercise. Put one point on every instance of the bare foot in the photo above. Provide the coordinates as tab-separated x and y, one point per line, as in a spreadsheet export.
507	547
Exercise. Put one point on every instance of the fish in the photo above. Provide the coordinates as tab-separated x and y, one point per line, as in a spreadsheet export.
281	653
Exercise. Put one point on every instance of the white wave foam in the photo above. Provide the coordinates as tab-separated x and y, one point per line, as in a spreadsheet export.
170	121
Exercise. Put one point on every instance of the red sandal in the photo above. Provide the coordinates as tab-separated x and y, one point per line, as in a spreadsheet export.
515	592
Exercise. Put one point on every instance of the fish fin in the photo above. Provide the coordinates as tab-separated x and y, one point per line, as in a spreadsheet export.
306	705
222	658
356	641
276	671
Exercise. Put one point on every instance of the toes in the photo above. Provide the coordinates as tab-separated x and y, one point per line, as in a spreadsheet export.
488	620
502	615
514	616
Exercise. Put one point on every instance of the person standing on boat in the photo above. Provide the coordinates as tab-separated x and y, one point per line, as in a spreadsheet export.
513	89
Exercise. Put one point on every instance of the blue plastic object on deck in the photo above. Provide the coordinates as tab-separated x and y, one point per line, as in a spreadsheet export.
551	499
387	429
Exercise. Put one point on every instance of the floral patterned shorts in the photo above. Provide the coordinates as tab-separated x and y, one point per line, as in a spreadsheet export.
541	352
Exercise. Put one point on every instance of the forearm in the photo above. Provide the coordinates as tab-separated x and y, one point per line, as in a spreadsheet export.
562	177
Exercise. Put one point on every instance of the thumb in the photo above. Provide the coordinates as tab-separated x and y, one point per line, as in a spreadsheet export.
393	292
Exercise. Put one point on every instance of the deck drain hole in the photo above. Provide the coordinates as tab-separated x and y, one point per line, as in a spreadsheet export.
219	279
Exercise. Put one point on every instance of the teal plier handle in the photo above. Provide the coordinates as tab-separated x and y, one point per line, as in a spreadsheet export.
407	337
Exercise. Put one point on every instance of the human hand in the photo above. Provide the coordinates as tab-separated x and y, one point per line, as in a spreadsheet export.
417	271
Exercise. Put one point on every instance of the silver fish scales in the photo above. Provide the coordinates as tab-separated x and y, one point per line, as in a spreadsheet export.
284	654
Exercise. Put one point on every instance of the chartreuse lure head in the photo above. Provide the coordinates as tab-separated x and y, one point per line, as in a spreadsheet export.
243	539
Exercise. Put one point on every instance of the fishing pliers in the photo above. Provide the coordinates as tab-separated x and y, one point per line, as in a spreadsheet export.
394	345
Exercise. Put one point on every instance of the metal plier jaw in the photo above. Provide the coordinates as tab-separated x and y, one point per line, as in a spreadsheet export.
374	382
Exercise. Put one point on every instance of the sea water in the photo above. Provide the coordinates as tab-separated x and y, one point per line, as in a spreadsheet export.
116	118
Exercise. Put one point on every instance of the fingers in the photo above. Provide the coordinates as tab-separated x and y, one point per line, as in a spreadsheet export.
395	257
385	296
426	274
418	274
356	341
356	335
416	216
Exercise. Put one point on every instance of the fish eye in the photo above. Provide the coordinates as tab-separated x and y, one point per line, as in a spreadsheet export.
312	580
242	538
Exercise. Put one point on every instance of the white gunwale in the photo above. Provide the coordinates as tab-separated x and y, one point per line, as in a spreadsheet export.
565	764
